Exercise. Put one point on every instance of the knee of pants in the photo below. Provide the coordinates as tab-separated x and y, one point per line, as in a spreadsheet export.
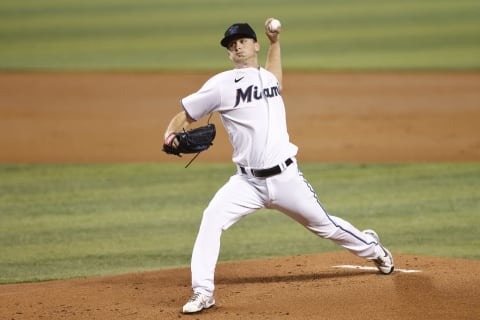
321	232
211	220
222	217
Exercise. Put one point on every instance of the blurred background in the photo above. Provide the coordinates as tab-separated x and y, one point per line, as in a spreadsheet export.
185	34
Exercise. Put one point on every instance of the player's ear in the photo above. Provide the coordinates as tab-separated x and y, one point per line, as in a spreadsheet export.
229	55
257	46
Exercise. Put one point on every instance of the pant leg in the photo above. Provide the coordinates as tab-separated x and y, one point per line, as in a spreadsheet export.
233	201
294	196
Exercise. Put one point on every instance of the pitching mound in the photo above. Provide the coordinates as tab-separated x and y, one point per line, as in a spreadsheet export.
300	287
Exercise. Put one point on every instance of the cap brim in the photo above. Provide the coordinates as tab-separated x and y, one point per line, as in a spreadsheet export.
225	41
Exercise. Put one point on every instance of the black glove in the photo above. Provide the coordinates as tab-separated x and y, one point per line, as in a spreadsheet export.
192	141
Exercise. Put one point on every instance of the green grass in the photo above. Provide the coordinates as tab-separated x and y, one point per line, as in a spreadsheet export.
185	34
64	221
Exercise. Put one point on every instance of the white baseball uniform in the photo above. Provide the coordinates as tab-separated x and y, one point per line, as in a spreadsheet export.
252	111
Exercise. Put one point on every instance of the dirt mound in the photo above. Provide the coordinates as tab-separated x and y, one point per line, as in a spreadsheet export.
299	287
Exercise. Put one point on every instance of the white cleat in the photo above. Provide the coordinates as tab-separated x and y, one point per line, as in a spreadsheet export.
198	302
384	262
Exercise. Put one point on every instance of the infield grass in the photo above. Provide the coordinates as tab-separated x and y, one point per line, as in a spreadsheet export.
64	221
185	34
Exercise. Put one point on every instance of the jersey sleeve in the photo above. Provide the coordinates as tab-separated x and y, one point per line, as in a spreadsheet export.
204	101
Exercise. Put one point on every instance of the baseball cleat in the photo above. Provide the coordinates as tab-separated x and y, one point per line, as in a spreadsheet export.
198	302
384	261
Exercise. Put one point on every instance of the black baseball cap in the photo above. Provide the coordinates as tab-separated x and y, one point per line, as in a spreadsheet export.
238	30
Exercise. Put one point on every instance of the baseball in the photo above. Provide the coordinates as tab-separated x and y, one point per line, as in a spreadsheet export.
274	25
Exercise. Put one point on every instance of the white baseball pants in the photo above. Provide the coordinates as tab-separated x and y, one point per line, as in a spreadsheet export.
288	192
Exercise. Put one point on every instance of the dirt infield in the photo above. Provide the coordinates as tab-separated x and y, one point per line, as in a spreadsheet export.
349	117
355	117
300	287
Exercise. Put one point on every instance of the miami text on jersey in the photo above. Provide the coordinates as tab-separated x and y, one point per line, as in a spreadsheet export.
252	91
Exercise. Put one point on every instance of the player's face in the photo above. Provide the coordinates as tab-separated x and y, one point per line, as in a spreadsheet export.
243	52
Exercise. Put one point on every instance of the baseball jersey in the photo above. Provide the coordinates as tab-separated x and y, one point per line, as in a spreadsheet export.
252	111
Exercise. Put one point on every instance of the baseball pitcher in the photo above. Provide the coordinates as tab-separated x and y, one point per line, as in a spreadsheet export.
249	101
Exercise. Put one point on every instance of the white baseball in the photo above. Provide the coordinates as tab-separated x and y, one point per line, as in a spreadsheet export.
274	25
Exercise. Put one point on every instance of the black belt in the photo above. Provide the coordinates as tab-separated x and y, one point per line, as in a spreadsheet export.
265	173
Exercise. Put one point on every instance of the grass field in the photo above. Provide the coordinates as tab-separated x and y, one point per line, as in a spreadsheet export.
63	221
185	34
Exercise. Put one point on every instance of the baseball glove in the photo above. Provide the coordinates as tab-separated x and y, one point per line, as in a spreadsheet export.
192	141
